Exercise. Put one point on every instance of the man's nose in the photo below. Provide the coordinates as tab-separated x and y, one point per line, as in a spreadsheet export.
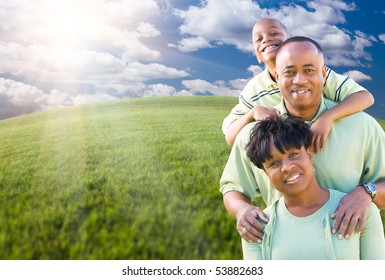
299	78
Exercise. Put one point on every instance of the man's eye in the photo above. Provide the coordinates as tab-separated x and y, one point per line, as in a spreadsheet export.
309	71
289	73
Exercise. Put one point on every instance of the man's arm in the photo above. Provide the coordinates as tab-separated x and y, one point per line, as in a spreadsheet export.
379	200
372	242
354	206
240	207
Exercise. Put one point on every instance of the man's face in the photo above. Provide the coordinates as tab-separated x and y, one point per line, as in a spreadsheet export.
268	35
300	73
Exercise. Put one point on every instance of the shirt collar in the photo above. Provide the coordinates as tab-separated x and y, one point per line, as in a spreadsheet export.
323	107
271	84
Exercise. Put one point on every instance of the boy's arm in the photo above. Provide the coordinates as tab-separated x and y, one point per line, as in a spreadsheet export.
353	103
256	114
235	127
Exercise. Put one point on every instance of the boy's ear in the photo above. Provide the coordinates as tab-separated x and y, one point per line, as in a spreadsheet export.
276	74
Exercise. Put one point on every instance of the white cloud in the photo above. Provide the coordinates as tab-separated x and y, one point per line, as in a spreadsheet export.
191	44
96	43
238	84
202	87
255	69
20	98
219	21
382	38
358	76
91	98
61	53
159	90
320	20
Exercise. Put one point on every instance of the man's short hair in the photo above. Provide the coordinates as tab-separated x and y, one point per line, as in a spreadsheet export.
300	39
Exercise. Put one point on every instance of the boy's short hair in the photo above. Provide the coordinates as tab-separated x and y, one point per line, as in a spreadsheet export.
284	132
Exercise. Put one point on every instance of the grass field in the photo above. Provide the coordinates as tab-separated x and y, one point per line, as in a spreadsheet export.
131	179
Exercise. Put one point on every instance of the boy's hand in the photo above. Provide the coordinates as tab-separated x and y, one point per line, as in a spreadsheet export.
261	113
320	130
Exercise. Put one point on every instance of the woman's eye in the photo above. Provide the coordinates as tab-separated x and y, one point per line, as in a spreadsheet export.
273	163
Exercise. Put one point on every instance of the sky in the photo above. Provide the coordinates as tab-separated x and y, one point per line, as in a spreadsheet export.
58	53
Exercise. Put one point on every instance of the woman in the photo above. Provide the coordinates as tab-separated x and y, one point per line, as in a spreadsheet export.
299	224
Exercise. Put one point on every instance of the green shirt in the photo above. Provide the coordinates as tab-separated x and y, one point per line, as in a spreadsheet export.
288	237
262	90
354	154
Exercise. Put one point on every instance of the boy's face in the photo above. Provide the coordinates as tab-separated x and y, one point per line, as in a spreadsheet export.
268	35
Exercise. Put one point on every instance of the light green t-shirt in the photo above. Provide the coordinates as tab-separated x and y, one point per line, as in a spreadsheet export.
354	154
262	90
288	237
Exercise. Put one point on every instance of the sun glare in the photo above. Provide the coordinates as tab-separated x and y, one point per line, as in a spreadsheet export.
69	22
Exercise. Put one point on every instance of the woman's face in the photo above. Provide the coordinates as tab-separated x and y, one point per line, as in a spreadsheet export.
291	172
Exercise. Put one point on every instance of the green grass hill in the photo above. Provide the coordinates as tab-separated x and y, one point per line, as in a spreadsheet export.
131	179
128	179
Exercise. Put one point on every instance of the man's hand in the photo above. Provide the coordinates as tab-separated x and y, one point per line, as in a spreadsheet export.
352	210
240	207
248	226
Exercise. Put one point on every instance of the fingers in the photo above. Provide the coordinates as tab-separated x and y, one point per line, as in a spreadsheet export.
345	224
250	229
261	215
318	143
277	112
341	223
351	213
250	234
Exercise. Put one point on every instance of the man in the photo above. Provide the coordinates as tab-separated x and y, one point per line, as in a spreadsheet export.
353	159
261	93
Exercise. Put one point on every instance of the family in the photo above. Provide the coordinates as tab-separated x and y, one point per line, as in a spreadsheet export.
301	142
